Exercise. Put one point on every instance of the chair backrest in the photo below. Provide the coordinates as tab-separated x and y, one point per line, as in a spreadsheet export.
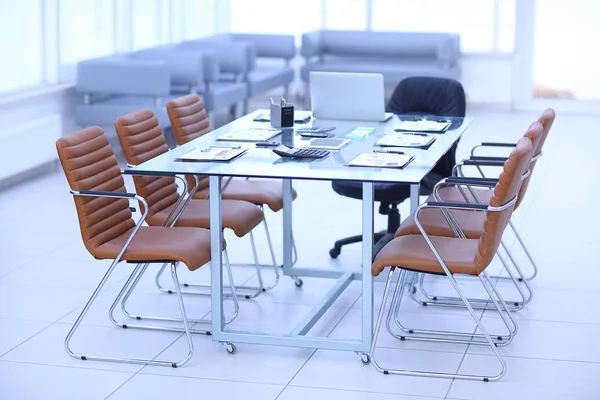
189	121
506	189
431	96
546	119
142	139
90	164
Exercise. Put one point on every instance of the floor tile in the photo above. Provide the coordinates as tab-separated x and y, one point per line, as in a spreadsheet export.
47	347
343	370
548	340
39	303
251	363
303	393
159	387
15	332
529	379
43	382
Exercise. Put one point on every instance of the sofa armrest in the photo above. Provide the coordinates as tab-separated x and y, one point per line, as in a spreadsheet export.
448	52
123	76
312	44
269	45
185	67
233	57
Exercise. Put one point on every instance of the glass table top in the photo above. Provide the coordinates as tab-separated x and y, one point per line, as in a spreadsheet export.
262	162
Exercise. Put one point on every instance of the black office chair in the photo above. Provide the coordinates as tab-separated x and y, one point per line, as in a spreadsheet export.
412	96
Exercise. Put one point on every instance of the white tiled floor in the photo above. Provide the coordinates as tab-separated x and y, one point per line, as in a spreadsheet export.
46	276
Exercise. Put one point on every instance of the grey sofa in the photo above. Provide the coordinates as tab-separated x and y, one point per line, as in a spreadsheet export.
266	76
396	55
115	85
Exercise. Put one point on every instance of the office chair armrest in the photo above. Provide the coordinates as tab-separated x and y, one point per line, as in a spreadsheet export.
483	163
469	181
458	206
100	193
488	158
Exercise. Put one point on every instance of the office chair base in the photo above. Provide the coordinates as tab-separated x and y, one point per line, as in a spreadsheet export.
380	239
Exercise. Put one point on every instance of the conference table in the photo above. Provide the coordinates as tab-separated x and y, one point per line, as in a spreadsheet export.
259	162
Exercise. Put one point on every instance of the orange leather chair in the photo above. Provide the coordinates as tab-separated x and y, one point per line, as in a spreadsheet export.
189	121
476	191
109	231
142	139
458	255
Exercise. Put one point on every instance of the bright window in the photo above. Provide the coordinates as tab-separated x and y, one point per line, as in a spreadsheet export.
199	18
86	31
276	16
346	14
145	23
474	20
21	45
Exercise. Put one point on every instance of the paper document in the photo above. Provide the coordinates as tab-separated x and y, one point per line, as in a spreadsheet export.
405	140
423	126
212	154
250	134
381	160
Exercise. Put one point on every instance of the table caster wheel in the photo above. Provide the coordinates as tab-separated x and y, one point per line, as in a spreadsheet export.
334	253
298	282
230	347
365	359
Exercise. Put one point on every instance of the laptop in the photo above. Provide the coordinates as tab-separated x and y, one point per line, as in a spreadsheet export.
348	96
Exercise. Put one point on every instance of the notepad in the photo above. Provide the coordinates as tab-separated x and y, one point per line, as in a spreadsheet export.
212	154
360	133
250	135
381	160
405	140
423	126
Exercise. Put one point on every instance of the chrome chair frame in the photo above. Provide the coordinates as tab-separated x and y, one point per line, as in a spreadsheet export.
515	305
186	326
495	296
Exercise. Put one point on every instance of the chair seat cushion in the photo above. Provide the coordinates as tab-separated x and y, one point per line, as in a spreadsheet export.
263	79
239	216
191	246
256	191
413	252
434	223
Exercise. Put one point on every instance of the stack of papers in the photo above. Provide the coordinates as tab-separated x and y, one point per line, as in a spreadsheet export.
406	140
423	126
250	135
360	133
212	154
382	160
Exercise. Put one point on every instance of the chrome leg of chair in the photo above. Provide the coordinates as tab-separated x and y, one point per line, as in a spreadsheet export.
529	257
273	259
130	285
85	310
256	290
484	332
446	301
434	335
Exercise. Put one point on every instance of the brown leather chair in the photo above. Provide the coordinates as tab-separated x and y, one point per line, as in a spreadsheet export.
471	224
443	255
189	121
142	139
109	231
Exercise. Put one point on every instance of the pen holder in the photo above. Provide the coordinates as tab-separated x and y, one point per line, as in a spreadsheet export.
282	116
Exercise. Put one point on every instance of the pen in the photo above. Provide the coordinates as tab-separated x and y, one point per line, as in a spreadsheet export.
282	102
271	100
389	151
415	134
225	147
